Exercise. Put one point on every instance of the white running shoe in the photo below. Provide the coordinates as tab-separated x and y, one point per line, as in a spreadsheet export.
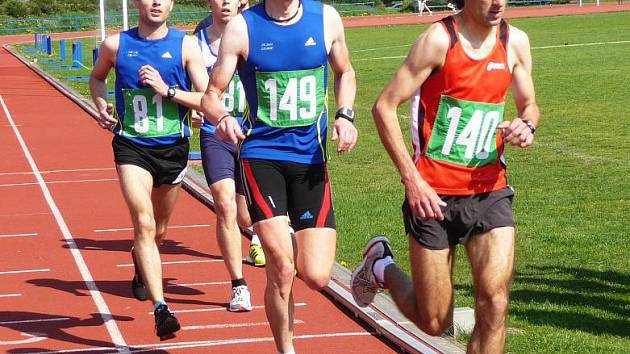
241	299
364	285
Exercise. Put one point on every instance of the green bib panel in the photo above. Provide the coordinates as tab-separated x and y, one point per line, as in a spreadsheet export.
289	99
153	115
464	132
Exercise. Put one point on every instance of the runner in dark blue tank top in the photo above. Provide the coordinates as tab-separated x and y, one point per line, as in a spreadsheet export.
155	66
282	50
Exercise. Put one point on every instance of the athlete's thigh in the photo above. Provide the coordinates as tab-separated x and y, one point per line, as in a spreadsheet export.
276	240
310	198
265	188
432	273
136	184
164	198
491	256
316	250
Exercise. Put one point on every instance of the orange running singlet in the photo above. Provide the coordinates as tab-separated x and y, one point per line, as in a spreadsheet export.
458	150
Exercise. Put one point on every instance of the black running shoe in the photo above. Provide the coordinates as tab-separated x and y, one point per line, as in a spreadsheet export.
165	322
137	285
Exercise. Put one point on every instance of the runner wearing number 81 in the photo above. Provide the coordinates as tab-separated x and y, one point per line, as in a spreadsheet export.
282	50
154	67
455	185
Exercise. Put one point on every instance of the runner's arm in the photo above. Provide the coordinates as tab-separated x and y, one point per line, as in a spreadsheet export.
426	55
234	44
517	132
344	78
193	64
97	81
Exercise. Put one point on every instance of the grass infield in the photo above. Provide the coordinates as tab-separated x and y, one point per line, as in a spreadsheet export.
571	288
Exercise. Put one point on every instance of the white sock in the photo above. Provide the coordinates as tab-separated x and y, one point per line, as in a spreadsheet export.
255	240
291	351
379	268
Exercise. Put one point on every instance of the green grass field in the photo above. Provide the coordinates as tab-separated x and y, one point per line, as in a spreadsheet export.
571	289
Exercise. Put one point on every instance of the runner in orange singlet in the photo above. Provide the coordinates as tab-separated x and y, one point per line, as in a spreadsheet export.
455	184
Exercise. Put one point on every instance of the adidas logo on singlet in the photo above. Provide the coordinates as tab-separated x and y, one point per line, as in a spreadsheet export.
310	42
167	55
495	66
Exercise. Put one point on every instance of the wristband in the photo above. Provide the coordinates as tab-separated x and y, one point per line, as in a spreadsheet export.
222	118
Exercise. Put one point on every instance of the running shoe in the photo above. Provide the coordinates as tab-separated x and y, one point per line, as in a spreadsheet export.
137	285
241	299
165	322
256	256
364	285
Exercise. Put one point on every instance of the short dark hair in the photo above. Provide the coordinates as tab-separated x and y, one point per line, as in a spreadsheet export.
459	4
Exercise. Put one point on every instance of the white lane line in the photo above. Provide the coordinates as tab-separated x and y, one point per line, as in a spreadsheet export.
214	309
177	262
18	235
59	182
170	227
58	171
26	271
533	48
36	320
10	295
142	348
97	297
197	284
232	325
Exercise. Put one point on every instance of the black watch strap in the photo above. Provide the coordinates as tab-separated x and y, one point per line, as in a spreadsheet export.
171	92
345	113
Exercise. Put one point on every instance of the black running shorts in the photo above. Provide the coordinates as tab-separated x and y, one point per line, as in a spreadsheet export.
277	188
167	164
464	216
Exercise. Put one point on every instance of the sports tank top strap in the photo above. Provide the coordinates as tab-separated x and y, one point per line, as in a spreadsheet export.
504	33
449	24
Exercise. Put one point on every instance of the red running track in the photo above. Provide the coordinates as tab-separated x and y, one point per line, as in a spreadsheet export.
65	235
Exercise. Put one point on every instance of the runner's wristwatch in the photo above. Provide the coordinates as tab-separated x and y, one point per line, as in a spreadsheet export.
171	92
345	113
530	125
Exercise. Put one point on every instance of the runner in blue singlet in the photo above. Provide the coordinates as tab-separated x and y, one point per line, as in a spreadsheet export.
282	50
154	66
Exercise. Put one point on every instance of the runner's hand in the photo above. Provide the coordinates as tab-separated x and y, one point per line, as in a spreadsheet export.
105	118
151	77
516	133
229	130
347	134
423	200
197	118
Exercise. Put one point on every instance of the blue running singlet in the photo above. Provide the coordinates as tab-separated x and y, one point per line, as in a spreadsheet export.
145	117
234	96
285	79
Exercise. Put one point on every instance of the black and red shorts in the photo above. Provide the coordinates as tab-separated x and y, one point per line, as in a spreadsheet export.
280	188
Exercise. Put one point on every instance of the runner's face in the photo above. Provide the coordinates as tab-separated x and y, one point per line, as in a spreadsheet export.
486	12
154	11
224	10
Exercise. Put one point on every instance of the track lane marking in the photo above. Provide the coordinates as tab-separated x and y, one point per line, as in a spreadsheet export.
256	307
232	325
58	171
55	319
177	262
169	227
25	271
97	297
198	284
59	182
18	235
10	295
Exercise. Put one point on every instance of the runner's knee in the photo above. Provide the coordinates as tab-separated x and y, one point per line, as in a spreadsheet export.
492	308
225	209
282	277
146	225
316	280
433	326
